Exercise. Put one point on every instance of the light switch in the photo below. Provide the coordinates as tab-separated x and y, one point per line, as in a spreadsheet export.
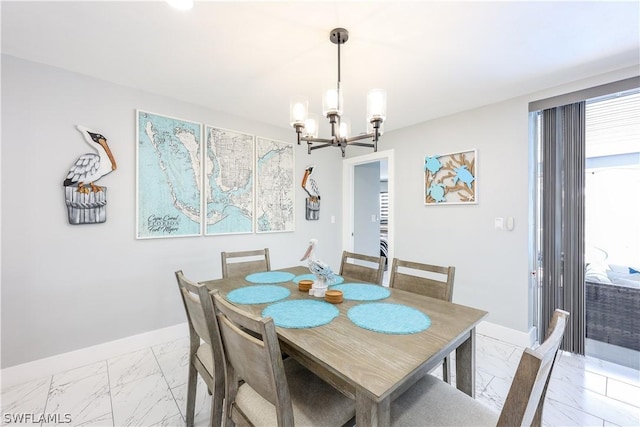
498	223
333	219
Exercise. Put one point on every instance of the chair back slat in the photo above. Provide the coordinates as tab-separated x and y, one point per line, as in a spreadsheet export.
200	312
254	261
364	267
429	280
524	402
253	355
197	317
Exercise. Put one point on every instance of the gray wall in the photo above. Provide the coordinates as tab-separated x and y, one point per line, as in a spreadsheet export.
67	287
366	190
492	266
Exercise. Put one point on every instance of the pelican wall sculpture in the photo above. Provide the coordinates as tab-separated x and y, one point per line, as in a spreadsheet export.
86	202
312	203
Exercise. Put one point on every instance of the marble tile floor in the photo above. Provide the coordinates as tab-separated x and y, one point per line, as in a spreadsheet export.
148	388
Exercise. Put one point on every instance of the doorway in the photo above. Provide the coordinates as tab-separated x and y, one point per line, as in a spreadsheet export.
368	204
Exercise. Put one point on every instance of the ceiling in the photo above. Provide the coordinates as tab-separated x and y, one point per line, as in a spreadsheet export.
250	58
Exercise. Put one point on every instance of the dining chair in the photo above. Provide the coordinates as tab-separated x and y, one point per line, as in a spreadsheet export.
362	267
240	264
262	389
205	348
431	402
429	280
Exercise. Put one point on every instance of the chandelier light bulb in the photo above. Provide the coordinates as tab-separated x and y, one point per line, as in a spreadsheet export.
332	102
311	126
299	109
377	104
345	128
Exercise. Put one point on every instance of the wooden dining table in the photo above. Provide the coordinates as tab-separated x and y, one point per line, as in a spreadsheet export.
370	367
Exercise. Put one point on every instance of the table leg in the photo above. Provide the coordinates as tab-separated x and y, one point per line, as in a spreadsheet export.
370	413
466	365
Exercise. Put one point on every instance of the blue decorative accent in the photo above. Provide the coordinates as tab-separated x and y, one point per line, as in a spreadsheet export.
270	277
296	280
301	313
463	174
432	164
389	318
362	291
633	270
437	192
259	294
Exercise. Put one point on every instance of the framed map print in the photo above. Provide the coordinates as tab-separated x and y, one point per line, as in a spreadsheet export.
228	181
451	178
274	186
168	176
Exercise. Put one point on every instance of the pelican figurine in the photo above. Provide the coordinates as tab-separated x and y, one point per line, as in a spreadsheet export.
91	167
314	194
321	270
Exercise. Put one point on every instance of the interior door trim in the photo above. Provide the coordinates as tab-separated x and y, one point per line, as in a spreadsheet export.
348	173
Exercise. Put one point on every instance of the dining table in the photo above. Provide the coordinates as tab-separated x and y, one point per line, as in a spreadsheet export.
365	358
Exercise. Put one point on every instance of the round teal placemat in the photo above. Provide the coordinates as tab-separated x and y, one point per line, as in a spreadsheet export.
337	279
258	294
297	314
362	291
270	277
389	318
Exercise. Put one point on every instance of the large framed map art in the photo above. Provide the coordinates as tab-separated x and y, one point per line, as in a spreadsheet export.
274	186
228	181
168	176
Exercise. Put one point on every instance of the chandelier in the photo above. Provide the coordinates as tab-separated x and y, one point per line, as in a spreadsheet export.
306	124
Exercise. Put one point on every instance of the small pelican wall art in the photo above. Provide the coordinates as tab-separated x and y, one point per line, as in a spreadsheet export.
312	203
86	202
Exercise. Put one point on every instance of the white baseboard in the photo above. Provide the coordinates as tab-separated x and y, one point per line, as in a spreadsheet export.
85	356
511	336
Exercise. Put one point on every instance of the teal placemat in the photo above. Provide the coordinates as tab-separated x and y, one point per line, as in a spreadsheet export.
270	277
297	314
362	291
258	294
389	318
337	279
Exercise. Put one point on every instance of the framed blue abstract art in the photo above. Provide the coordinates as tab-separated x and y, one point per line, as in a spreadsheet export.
451	178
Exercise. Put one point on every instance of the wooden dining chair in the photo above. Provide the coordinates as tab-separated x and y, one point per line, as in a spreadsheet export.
262	389
362	267
240	264
429	280
431	402
205	348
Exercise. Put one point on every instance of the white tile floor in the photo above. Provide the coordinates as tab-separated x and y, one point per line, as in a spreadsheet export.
148	388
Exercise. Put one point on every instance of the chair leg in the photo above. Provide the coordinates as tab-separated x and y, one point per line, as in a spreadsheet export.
217	402
192	384
446	369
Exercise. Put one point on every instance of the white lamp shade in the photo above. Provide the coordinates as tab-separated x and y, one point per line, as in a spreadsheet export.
345	128
311	126
332	102
298	111
376	104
